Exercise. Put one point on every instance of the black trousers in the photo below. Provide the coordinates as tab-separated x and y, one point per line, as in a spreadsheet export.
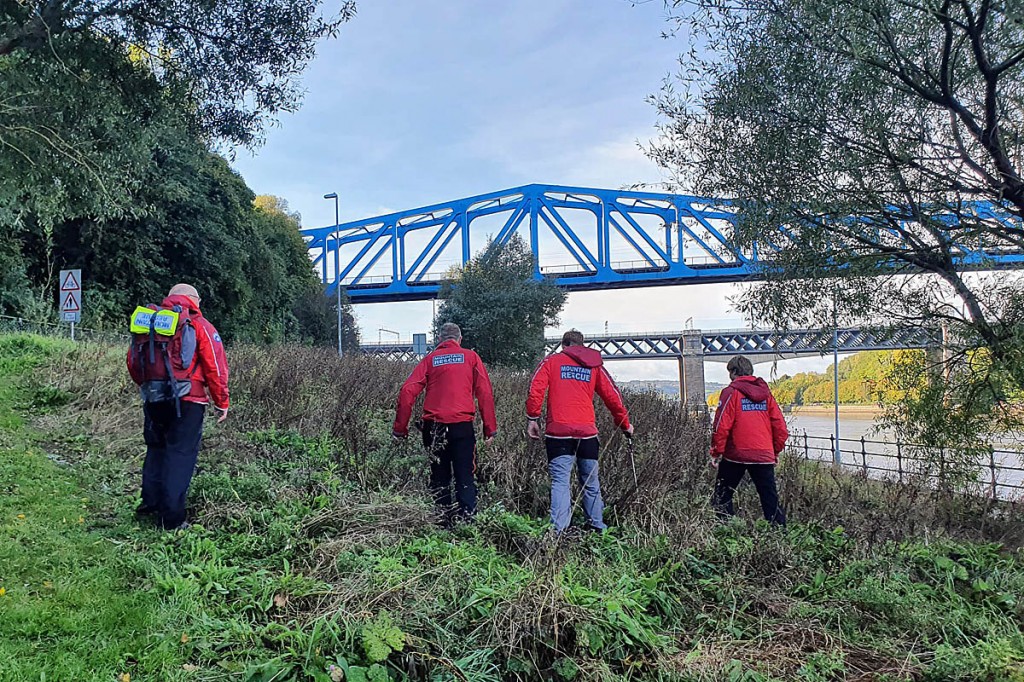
172	448
763	475
452	450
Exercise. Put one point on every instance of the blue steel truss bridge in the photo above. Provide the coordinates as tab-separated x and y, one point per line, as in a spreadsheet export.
584	239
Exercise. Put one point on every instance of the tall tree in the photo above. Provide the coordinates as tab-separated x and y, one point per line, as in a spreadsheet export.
869	129
239	59
500	307
108	112
85	85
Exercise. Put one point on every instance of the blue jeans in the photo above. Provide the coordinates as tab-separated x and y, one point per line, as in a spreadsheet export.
562	452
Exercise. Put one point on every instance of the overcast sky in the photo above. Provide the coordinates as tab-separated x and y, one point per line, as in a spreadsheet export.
423	101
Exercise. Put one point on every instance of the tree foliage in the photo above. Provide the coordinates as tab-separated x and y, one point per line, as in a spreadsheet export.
864	379
108	114
239	59
87	87
500	307
869	129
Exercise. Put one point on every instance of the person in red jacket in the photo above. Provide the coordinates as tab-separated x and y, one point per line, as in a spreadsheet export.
453	376
749	432
173	430
570	379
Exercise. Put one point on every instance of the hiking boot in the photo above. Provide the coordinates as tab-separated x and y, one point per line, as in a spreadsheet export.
146	510
184	525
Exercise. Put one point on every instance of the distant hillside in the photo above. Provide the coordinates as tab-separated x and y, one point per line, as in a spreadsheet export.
666	387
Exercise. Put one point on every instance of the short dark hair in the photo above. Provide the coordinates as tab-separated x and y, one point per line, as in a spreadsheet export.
740	366
573	337
449	331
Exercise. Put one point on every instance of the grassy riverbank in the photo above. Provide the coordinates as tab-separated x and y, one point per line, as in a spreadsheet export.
315	550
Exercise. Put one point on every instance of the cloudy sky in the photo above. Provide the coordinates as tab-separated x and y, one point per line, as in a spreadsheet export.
422	101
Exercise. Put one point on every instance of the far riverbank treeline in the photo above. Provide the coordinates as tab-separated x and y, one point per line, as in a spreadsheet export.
862	381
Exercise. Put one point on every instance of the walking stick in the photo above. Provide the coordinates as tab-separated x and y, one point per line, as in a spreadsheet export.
632	460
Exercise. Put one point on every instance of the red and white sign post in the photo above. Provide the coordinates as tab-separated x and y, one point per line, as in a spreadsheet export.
70	297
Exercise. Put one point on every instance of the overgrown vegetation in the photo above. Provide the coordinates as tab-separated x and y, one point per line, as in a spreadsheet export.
316	556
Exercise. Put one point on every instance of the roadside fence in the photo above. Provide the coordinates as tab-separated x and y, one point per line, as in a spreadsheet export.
998	472
14	325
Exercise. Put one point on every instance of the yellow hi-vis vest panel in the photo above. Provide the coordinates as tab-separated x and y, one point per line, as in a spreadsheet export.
164	322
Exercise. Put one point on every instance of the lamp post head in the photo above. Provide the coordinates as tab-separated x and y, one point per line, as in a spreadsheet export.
332	195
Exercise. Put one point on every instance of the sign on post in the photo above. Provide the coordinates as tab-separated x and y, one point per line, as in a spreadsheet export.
70	297
419	345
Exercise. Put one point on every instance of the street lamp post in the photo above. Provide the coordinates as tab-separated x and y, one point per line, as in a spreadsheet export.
337	266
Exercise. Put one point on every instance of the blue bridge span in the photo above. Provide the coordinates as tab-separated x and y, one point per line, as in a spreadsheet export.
585	239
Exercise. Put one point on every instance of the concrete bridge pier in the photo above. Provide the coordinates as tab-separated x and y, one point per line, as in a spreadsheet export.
691	369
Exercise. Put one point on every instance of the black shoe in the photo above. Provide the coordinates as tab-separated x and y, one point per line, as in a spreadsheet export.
146	510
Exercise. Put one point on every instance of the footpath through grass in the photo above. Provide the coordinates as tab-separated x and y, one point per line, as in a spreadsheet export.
310	564
71	607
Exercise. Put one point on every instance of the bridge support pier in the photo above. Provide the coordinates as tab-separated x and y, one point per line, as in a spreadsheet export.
691	370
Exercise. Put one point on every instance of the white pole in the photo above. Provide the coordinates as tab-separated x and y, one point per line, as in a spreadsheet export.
837	455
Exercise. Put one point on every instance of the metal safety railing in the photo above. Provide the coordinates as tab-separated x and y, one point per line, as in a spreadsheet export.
997	472
20	325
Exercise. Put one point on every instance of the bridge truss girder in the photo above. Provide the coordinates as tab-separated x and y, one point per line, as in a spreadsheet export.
667	238
719	346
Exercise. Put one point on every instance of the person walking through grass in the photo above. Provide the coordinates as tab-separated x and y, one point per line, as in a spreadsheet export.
177	359
569	380
452	377
749	432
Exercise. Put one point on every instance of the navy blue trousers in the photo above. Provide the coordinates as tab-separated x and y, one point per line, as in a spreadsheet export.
763	475
172	448
452	450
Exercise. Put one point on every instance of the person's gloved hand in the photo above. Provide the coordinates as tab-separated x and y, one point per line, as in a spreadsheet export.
715	460
629	431
399	436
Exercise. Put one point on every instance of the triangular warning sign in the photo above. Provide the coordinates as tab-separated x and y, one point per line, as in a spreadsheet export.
70	283
70	304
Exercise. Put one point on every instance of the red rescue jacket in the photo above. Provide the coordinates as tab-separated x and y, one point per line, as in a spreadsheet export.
210	378
452	376
570	379
749	427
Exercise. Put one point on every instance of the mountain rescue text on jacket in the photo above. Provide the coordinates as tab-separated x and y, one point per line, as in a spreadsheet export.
452	376
570	379
749	427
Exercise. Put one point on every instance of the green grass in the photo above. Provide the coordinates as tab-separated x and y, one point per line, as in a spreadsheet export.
298	574
72	608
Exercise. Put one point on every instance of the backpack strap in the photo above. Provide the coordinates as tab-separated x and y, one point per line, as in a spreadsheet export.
167	364
171	379
152	341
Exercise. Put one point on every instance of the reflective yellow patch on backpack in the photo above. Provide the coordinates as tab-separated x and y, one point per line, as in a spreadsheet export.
164	322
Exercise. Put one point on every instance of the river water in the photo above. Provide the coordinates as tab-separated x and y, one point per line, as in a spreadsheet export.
850	425
1000	473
